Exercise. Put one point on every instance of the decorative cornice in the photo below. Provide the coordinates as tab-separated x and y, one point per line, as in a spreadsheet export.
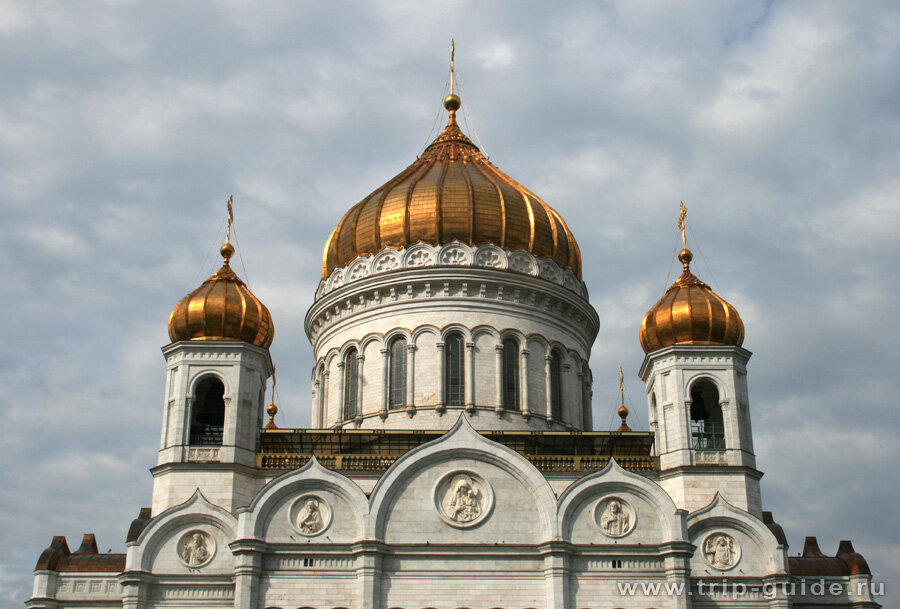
424	288
454	253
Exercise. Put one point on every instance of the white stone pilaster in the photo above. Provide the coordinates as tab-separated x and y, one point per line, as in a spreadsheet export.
470	377
410	379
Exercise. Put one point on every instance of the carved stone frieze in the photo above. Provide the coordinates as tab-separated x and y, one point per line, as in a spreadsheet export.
452	254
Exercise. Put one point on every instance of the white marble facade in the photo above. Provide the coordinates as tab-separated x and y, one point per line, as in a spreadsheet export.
461	521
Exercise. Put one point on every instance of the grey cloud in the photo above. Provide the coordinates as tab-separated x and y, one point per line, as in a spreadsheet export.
123	128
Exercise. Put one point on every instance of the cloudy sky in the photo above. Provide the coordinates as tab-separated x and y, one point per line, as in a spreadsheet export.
125	126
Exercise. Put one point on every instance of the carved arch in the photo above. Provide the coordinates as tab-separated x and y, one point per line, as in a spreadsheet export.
312	475
616	479
462	440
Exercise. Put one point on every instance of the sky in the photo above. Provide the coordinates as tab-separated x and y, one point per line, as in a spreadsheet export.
125	126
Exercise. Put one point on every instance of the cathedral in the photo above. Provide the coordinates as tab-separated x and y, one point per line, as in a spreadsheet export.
451	460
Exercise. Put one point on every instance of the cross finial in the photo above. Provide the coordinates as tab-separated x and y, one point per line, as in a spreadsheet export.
681	217
452	101
230	218
272	409
623	411
227	250
621	386
452	64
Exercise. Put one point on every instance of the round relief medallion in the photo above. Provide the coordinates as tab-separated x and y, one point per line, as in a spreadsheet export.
463	499
615	516
196	548
721	551
310	515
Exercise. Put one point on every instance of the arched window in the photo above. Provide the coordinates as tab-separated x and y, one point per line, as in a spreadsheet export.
510	374
454	374
351	384
397	371
208	412
707	425
555	386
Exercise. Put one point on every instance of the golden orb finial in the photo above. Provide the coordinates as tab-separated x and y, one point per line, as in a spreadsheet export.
685	256
227	251
452	102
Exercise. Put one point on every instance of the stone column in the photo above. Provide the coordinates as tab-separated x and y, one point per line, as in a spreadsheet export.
499	380
360	363
523	381
548	411
470	377
317	403
556	574
324	420
676	557
580	420
368	573
341	383
441	403
135	588
248	556
411	379
385	381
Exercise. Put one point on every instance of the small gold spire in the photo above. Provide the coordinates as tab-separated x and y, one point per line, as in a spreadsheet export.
227	250
623	411
685	255
452	101
272	409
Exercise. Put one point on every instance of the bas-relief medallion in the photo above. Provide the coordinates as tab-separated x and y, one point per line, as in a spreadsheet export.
196	548
721	551
463	499
615	516
310	515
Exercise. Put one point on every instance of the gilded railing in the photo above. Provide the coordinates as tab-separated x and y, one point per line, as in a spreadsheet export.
548	463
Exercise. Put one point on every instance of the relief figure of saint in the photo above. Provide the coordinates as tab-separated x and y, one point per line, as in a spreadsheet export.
310	520
464	503
194	551
615	520
719	551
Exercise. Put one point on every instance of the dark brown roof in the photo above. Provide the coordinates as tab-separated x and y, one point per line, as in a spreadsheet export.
86	559
138	525
813	562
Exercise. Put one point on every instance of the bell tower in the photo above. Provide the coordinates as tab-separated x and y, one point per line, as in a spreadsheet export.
217	366
695	372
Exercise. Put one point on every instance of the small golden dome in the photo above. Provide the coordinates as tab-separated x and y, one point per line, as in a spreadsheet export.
222	308
451	192
690	313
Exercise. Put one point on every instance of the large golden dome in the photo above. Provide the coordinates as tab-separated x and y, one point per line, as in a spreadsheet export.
690	313
222	308
452	192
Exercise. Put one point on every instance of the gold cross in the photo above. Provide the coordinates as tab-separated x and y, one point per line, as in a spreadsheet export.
681	225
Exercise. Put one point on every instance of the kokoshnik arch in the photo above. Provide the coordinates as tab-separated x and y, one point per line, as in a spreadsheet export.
451	460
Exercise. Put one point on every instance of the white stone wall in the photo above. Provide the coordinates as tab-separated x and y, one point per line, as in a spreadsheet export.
425	304
692	477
